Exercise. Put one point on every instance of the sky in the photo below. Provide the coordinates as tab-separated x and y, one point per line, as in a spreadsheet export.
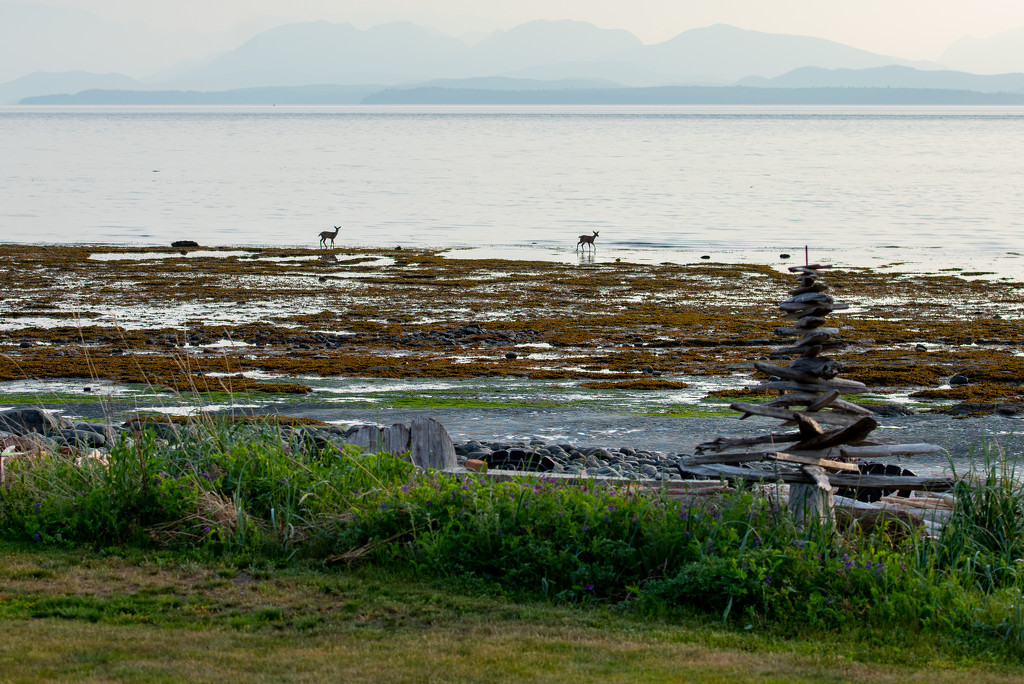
911	29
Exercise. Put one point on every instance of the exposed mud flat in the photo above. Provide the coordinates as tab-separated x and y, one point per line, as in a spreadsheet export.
287	322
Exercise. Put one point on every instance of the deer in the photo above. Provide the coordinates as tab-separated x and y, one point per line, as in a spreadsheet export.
587	240
328	235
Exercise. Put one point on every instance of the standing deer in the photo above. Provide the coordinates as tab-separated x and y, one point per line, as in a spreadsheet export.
587	240
328	235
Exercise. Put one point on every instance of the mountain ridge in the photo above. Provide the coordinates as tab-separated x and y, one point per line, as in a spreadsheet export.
405	55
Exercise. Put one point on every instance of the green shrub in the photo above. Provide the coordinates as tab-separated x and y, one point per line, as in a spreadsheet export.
262	494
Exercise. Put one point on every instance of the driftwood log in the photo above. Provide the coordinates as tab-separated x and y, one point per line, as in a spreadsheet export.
812	501
832	434
424	442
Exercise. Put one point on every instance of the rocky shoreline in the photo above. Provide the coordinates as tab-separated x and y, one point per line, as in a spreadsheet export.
576	442
286	322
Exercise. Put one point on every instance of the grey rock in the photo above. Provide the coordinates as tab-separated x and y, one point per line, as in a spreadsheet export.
650	471
22	421
83	438
1010	408
966	407
890	409
958	380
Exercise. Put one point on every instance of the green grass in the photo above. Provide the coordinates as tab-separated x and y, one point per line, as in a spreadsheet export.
237	523
50	398
690	411
77	616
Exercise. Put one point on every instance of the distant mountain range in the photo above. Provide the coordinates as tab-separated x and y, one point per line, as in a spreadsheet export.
322	52
38	37
1001	53
327	63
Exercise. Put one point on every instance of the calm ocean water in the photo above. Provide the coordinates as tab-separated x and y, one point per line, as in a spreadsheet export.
654	180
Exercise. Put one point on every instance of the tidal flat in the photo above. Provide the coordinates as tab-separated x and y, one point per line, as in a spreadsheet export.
130	328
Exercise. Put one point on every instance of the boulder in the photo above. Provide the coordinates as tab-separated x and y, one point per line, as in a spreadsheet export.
83	438
968	407
22	421
1010	408
889	409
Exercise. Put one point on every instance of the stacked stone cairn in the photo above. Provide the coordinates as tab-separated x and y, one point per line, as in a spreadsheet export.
831	434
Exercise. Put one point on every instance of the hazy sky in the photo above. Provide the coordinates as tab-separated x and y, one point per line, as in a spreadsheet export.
912	29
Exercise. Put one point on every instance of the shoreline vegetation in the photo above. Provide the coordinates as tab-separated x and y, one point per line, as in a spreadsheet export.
241	530
244	529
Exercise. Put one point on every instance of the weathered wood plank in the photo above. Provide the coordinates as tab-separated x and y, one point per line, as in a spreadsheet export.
770	455
727	457
849	480
917	502
807	349
823	401
397	439
816	287
812	502
842	384
797	307
853	433
723	443
430	445
789	457
886	450
821	367
828	417
369	438
808	426
671	486
810	298
810	317
789	331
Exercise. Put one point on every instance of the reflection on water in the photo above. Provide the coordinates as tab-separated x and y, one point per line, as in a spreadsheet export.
697	179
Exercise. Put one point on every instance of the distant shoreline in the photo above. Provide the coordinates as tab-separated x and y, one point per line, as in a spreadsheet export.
665	95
